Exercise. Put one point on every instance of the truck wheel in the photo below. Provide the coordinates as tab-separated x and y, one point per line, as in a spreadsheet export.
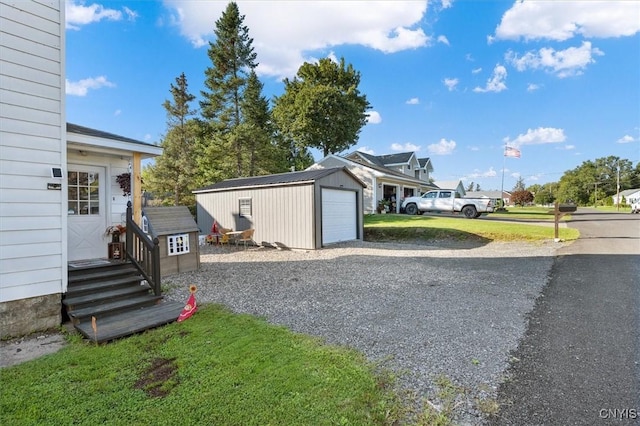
478	215
411	209
469	212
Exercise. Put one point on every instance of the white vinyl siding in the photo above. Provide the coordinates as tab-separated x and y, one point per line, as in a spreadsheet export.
339	216
32	141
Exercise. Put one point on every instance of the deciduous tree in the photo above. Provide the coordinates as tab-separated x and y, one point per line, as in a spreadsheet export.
322	107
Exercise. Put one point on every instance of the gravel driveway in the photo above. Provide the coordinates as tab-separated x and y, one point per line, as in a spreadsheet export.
425	310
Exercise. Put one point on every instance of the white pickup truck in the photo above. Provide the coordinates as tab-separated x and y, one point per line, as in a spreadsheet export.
635	207
447	200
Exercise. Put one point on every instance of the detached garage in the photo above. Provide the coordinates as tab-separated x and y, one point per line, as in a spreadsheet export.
298	210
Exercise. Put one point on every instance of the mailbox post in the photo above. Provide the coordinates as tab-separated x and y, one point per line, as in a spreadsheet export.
559	211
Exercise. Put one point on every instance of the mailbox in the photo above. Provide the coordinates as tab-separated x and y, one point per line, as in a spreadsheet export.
567	208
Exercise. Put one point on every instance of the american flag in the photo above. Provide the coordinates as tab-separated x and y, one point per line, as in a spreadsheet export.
510	151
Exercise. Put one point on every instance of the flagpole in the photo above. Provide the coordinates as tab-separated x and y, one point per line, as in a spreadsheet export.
504	159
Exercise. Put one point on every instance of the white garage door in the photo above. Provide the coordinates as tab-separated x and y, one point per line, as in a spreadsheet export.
339	221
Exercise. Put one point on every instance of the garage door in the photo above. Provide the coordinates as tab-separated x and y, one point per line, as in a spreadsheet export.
339	220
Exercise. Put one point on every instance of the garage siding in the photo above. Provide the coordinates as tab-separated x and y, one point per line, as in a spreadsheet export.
280	215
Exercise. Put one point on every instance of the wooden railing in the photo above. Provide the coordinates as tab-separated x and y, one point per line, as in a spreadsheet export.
143	253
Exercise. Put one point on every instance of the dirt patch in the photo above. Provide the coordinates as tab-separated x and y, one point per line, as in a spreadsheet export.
159	378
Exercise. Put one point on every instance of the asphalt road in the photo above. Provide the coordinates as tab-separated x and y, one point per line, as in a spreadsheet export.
579	361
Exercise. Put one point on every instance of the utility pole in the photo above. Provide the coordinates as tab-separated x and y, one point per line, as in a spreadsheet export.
618	188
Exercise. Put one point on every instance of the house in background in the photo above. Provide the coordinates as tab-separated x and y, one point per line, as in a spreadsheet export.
628	196
387	177
57	180
451	184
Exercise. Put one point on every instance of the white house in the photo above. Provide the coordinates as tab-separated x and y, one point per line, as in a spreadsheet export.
387	177
628	196
451	184
57	180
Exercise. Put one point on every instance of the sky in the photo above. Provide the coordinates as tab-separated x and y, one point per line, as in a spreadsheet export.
452	80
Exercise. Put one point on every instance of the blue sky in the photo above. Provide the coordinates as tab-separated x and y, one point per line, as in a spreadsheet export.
453	80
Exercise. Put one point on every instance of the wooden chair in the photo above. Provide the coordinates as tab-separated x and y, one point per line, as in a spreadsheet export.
224	238
245	237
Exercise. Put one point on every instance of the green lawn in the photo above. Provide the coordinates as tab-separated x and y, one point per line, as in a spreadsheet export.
216	368
400	227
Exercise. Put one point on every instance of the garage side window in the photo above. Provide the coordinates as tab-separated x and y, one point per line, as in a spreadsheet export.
245	207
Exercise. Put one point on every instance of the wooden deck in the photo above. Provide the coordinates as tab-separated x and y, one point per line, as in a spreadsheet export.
118	297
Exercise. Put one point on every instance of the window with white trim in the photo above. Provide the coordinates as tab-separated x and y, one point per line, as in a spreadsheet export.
177	244
244	206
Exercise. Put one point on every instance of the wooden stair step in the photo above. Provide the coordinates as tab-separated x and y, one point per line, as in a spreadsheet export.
100	273
104	309
97	286
105	295
130	322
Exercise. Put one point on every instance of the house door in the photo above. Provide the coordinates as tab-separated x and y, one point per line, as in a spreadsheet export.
86	212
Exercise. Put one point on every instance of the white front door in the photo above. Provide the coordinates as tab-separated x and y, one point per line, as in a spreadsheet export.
86	212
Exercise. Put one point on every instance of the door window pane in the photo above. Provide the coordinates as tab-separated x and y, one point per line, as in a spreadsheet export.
83	193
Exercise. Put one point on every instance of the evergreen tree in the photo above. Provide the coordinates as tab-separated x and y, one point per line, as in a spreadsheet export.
171	178
519	186
322	107
469	187
232	59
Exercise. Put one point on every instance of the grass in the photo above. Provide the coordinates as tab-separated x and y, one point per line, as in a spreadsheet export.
215	368
404	227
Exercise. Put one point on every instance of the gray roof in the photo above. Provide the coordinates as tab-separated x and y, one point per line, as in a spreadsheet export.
169	220
74	128
487	194
277	179
389	159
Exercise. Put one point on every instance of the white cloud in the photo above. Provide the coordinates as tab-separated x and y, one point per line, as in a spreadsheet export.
147	137
407	147
81	88
294	29
515	175
373	117
366	150
446	4
131	14
626	139
532	87
444	147
451	83
444	40
77	14
413	101
489	173
476	70
117	112
497	81
541	135
563	63
562	20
